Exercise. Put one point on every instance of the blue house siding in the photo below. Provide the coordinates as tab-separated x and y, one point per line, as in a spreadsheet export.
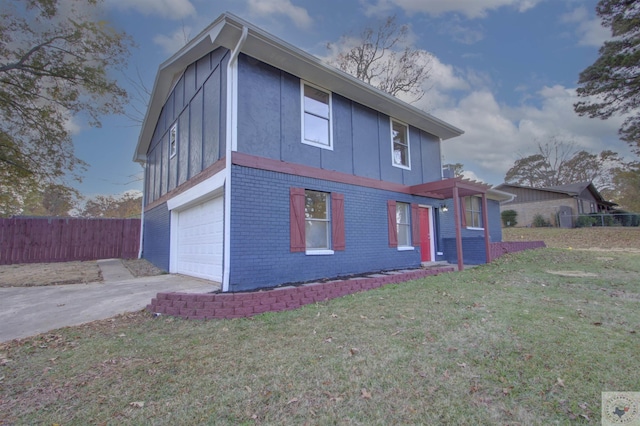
156	236
269	105
260	240
199	93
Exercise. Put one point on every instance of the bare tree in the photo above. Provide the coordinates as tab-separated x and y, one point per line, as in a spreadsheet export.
559	162
385	58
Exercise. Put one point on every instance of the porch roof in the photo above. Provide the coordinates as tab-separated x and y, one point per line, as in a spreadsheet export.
444	189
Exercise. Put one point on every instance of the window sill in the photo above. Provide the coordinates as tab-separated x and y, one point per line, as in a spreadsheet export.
319	252
400	166
318	145
471	228
405	248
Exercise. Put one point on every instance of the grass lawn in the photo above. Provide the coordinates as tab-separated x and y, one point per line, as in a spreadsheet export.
533	338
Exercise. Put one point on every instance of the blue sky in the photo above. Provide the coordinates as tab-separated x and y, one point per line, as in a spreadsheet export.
504	71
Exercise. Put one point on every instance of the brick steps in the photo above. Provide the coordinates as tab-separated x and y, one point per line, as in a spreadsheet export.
242	305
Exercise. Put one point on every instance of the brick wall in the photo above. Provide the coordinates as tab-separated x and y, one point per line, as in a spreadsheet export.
260	245
240	305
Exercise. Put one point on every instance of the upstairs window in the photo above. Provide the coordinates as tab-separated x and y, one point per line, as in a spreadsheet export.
400	145
316	117
173	140
473	212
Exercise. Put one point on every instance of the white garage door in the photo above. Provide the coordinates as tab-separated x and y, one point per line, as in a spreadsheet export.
199	242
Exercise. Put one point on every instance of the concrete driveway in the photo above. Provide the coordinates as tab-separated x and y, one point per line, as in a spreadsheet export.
27	311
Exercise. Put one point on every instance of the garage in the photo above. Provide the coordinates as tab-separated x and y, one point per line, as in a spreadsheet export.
199	240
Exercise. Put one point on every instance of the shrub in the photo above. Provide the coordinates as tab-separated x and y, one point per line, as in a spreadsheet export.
540	222
509	218
584	221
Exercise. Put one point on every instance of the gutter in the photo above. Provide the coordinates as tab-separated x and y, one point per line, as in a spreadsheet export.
231	145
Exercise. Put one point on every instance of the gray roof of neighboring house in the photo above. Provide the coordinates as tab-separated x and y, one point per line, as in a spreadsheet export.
227	30
571	189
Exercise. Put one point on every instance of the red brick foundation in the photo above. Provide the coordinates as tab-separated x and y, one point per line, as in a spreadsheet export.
241	305
502	248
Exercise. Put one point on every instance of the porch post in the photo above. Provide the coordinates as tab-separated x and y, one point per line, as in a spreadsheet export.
457	217
485	224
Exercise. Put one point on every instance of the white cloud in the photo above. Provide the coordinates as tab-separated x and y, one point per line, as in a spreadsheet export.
470	8
173	42
298	15
496	134
590	32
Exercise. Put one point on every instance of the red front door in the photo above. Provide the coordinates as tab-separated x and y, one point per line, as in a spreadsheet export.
425	235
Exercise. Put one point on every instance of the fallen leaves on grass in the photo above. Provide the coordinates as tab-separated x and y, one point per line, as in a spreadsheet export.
137	404
365	394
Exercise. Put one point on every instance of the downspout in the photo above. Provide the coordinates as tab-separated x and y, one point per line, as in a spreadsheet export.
231	146
144	197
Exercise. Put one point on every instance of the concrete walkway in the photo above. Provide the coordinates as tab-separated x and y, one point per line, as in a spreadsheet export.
27	311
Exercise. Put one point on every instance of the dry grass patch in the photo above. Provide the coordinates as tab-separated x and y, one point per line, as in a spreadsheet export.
41	274
44	274
506	343
620	238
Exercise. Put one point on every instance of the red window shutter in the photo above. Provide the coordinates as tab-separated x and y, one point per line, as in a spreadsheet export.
296	219
337	221
415	225
393	226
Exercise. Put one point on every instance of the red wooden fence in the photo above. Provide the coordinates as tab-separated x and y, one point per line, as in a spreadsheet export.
33	240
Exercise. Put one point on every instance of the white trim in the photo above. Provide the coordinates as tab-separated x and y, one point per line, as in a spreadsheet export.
318	252
302	114
393	163
208	189
406	248
471	228
231	145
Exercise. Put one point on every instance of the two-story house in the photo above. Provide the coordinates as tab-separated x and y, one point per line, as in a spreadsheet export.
265	166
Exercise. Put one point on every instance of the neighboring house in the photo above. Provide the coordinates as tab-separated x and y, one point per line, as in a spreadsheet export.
265	166
560	205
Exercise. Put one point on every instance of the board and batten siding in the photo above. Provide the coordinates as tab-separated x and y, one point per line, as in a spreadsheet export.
270	126
196	105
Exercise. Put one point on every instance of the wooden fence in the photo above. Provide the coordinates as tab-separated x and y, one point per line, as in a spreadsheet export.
33	240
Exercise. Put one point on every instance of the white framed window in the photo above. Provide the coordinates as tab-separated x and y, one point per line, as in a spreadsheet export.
473	212
316	116
403	223
317	208
400	145
173	140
